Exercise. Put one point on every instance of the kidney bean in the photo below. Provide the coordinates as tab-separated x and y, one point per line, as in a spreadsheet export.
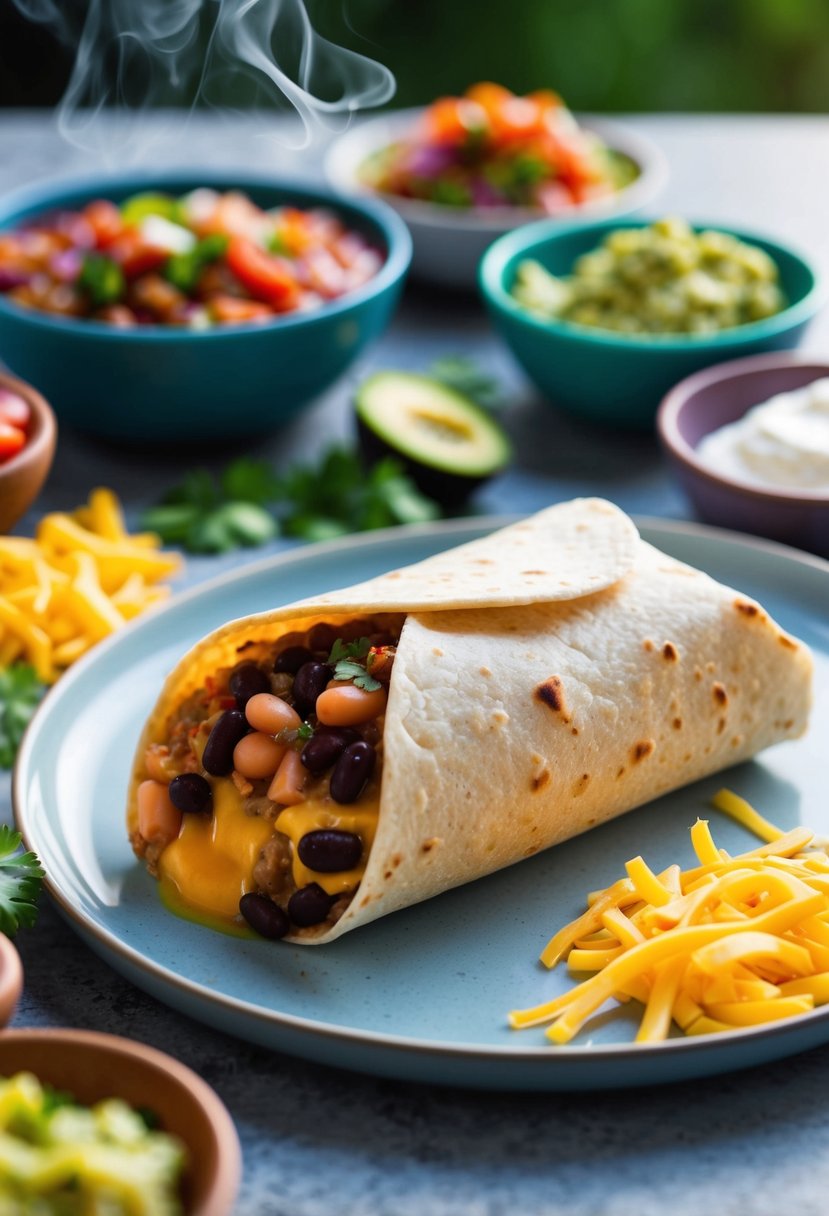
257	755
292	658
217	758
322	637
309	682
352	771
271	714
264	916
348	705
309	905
246	681
328	850
191	793
325	748
159	822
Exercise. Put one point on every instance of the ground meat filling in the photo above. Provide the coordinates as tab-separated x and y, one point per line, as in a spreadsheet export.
296	723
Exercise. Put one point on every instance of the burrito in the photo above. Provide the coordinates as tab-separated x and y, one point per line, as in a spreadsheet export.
309	769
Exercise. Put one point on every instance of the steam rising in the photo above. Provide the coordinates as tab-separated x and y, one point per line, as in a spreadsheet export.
132	56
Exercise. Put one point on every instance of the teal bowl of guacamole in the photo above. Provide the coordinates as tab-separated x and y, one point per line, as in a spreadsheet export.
605	317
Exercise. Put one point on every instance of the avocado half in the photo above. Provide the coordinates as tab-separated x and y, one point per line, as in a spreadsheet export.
447	444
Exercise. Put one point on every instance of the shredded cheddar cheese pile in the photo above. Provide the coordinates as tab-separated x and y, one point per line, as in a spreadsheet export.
81	578
733	942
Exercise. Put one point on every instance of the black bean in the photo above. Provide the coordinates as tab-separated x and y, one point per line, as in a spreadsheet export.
292	658
191	793
217	758
309	905
264	916
325	747
329	850
246	681
322	637
309	682
352	771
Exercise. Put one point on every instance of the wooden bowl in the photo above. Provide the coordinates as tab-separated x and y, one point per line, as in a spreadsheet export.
96	1066
23	475
11	980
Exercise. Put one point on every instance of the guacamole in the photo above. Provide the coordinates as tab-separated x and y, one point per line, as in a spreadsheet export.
61	1159
662	278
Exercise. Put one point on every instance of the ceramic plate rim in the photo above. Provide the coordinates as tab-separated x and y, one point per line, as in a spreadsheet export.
550	1058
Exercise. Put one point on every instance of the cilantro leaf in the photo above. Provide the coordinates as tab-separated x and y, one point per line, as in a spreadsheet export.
357	649
249	480
305	731
21	878
345	669
20	694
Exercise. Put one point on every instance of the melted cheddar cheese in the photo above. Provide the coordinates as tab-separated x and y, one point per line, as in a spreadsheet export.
210	864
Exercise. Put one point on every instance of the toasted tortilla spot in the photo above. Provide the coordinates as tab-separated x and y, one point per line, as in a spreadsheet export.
574	730
719	694
670	652
397	860
533	571
788	724
721	726
540	780
428	845
437	652
746	608
641	750
620	772
532	849
786	641
551	694
697	674
485	671
677	724
581	785
388	874
736	741
484	561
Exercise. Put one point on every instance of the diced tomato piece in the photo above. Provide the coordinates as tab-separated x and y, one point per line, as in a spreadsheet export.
450	120
14	409
12	440
266	277
234	215
134	255
230	310
105	220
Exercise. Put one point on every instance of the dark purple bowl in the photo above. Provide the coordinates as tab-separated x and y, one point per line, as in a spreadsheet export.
722	394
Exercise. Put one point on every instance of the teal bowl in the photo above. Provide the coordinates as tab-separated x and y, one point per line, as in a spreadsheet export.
152	382
619	380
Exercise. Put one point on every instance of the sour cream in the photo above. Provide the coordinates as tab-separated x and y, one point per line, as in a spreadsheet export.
781	444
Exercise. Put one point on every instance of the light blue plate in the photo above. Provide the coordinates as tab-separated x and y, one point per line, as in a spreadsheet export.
422	994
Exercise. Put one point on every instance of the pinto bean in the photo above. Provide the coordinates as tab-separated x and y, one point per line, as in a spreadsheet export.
159	822
348	705
257	755
271	714
288	785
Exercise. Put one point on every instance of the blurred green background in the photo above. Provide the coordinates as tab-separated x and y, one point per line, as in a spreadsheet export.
770	55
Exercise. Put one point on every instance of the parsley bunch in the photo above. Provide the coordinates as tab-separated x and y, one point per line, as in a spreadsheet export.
20	693
250	503
21	878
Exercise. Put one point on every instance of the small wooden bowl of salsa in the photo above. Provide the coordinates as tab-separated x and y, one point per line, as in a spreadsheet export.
28	434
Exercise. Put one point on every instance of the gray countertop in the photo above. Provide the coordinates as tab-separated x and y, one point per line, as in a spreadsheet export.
751	1144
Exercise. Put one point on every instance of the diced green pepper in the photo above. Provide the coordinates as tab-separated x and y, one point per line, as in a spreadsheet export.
183	269
102	279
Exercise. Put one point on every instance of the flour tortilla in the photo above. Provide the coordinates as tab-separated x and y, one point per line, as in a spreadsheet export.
548	678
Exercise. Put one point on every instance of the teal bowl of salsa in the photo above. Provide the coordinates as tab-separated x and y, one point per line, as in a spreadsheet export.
191	306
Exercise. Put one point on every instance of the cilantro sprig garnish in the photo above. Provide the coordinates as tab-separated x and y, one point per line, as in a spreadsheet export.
20	694
345	659
21	878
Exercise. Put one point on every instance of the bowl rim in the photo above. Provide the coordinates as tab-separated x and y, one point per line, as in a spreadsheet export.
676	446
48	194
228	1157
346	152
37	446
493	264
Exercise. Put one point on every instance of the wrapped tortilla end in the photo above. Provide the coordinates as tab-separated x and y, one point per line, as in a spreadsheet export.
340	758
